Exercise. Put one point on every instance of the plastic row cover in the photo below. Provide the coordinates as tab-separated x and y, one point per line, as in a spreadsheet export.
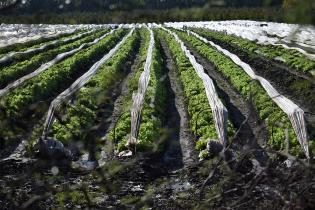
78	84
21	33
139	96
22	38
263	32
42	48
295	113
219	111
49	64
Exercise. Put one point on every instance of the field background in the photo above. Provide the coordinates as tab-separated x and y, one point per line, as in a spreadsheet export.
127	11
96	114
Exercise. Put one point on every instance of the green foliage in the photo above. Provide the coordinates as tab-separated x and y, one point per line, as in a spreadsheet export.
204	154
276	120
77	197
12	73
198	104
124	125
93	96
292	58
48	84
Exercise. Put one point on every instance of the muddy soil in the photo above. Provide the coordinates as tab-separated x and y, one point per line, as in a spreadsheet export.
180	148
145	182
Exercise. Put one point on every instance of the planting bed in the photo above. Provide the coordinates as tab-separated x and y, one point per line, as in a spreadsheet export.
174	116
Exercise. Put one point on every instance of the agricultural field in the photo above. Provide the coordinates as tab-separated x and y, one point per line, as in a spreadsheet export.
180	115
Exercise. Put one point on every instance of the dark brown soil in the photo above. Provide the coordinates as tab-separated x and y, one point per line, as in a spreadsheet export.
180	149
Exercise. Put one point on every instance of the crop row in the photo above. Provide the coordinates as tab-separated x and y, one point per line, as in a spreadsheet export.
119	134
151	119
87	109
153	110
14	72
47	85
276	120
197	101
290	57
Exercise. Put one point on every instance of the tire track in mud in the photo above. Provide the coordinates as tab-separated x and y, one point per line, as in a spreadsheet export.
254	131
180	149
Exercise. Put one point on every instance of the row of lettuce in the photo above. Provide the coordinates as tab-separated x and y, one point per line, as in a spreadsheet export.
88	107
14	72
275	119
197	102
290	57
153	111
32	99
89	104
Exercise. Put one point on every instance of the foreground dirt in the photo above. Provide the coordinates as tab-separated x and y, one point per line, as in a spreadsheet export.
145	182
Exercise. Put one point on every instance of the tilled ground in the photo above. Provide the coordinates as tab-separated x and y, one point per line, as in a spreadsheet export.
174	178
145	182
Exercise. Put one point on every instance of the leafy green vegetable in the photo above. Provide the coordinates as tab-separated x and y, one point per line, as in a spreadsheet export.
93	96
276	120
12	73
198	104
47	85
290	57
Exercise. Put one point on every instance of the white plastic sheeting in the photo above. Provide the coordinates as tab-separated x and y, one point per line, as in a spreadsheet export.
49	64
295	113
139	96
263	32
10	55
78	84
219	112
